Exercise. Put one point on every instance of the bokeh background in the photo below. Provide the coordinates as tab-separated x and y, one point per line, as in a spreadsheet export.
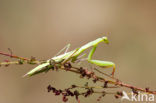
40	28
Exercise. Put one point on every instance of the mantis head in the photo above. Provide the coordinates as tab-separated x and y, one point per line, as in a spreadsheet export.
105	39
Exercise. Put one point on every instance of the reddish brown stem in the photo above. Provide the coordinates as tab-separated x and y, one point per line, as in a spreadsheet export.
14	56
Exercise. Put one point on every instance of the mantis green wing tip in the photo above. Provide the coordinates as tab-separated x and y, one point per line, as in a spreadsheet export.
26	75
36	70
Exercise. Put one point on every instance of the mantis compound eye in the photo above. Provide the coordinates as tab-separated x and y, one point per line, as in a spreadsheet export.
105	39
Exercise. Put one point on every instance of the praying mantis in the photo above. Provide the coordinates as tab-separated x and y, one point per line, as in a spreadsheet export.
73	56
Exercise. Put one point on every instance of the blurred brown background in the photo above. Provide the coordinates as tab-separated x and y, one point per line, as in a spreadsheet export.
41	28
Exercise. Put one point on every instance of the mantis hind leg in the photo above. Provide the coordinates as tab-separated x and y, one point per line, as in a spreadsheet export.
64	49
103	64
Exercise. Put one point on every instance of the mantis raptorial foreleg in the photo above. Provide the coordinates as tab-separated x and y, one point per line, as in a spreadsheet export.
103	64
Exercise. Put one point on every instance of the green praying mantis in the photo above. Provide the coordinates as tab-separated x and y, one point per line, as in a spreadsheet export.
73	56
